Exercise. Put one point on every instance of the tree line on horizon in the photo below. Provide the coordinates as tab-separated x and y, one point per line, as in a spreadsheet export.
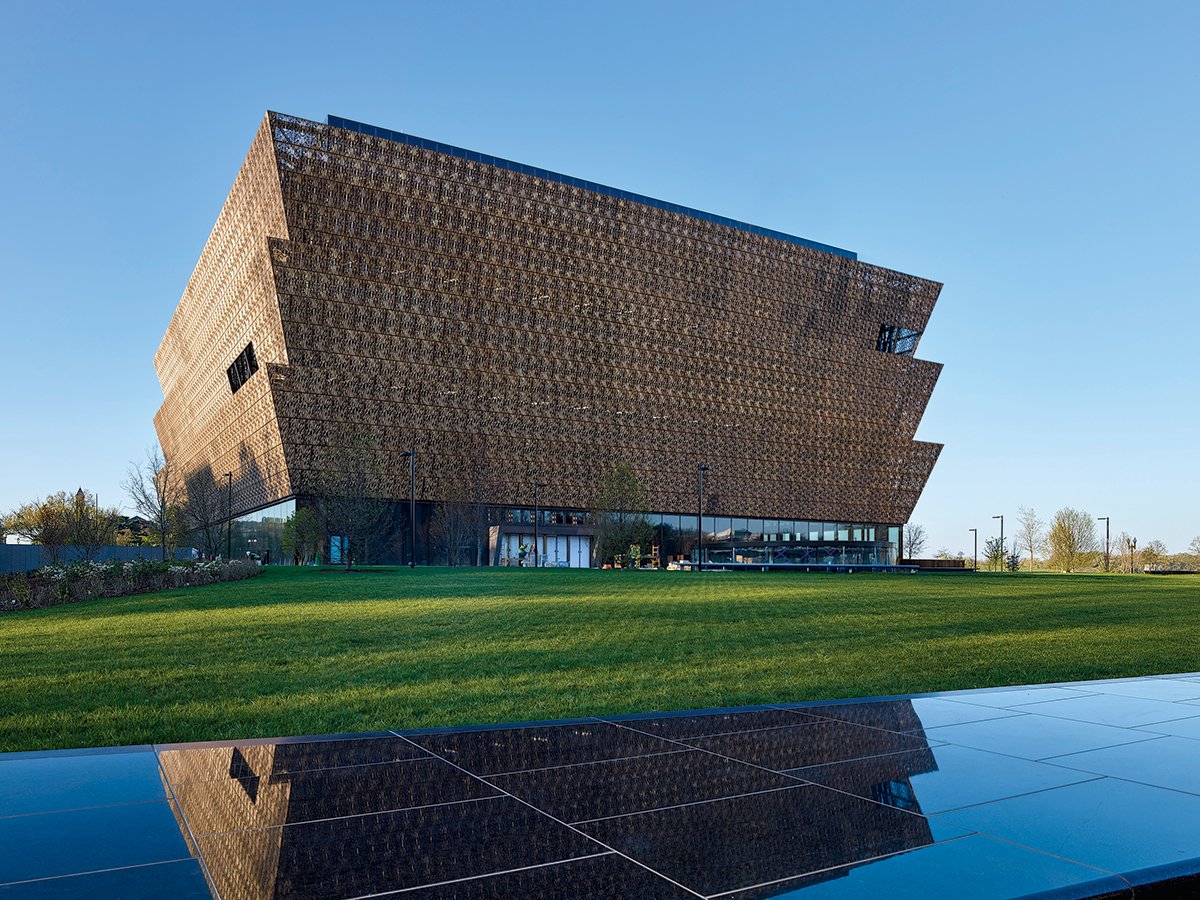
1069	542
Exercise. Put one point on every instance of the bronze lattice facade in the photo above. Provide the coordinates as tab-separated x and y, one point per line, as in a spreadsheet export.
538	329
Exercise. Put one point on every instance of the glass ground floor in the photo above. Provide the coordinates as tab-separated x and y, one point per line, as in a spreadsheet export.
504	536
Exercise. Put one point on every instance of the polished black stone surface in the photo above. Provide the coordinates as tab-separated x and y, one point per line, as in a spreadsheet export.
1139	831
1037	738
608	875
180	880
729	844
618	787
1074	790
939	779
909	715
518	749
808	745
48	782
974	867
43	845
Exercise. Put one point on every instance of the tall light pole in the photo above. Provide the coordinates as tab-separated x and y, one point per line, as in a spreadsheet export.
975	532
537	555
1003	549
701	468
1104	519
412	504
229	516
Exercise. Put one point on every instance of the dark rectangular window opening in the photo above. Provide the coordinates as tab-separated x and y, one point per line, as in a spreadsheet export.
242	368
895	339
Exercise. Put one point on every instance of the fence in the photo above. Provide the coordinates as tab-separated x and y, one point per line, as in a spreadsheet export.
27	557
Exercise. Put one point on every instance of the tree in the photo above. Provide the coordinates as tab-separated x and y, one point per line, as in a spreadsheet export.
1072	539
203	513
914	540
301	536
452	530
1126	546
993	552
1154	554
1013	560
1194	546
1031	532
91	527
345	497
619	514
47	522
155	489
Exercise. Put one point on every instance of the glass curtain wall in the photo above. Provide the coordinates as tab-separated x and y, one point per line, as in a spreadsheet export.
259	535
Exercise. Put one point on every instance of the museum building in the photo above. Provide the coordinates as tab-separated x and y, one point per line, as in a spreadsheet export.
384	309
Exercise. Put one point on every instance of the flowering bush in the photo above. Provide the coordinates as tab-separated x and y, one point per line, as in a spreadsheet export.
87	580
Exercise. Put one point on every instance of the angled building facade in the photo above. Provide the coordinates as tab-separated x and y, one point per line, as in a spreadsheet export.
366	289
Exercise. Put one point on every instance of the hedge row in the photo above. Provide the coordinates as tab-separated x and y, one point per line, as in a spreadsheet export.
85	580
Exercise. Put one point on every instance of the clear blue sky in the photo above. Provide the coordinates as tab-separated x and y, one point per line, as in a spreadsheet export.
1040	159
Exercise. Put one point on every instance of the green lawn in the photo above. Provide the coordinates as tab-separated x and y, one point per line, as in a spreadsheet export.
308	652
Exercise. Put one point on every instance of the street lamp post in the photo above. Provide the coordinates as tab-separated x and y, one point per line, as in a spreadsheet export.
1003	549
975	533
229	516
1104	519
537	555
412	504
701	468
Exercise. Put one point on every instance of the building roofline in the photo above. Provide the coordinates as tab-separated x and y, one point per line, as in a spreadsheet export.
449	149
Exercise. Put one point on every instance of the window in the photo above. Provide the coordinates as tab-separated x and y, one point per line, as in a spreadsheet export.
895	793
896	339
242	368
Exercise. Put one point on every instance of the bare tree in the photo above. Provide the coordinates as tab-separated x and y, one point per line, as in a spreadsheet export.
203	512
345	497
1194	546
915	539
619	514
1126	545
155	489
452	530
1031	532
480	488
1072	539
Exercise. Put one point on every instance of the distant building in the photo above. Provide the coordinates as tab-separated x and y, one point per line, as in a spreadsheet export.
366	288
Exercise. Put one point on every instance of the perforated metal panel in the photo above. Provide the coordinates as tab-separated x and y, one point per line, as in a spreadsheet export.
483	313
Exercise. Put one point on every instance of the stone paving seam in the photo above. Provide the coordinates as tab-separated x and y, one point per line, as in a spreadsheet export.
788	774
382	762
190	838
642	812
157	862
1004	840
67	809
552	818
365	815
869	859
586	762
433	884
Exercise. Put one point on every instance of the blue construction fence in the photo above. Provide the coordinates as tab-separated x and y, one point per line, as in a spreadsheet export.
27	557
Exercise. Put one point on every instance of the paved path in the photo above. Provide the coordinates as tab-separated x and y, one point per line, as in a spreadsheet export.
1081	789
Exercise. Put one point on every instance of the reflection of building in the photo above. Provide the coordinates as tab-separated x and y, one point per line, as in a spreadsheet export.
377	817
366	288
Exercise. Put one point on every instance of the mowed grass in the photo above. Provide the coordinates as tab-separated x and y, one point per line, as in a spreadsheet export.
299	651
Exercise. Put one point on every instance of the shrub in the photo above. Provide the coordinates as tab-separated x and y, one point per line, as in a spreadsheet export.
87	580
